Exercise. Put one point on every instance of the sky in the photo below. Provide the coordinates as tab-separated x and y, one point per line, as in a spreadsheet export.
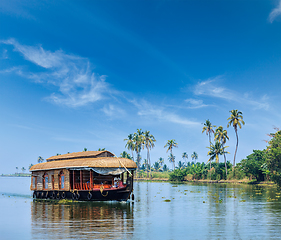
86	74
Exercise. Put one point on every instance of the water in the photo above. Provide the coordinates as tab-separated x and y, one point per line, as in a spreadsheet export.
160	211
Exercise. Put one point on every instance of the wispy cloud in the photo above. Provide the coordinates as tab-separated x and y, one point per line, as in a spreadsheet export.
4	54
113	111
195	103
77	83
146	109
211	88
275	12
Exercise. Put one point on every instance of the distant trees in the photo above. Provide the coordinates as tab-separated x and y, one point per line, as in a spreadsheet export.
136	142
254	165
194	156
274	158
23	169
221	136
85	150
124	154
148	141
185	156
170	145
40	159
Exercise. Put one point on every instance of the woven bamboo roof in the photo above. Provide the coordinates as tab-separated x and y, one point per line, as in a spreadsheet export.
103	162
76	155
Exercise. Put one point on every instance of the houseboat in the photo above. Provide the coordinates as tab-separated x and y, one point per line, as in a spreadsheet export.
86	176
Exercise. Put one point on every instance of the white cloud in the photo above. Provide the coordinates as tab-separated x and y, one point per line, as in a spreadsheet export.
113	111
154	112
210	88
77	84
275	12
195	103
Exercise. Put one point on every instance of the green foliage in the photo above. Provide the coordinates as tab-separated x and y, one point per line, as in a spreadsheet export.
254	165
177	175
274	158
124	154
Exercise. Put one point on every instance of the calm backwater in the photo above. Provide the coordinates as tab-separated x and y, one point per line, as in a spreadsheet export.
160	211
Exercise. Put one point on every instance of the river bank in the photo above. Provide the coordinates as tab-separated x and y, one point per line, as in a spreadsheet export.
234	181
16	175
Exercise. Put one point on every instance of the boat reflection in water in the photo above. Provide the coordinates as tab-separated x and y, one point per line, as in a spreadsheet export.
53	220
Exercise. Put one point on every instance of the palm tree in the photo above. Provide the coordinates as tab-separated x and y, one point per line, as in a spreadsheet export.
194	156
149	141
161	161
170	144
101	149
235	120
30	166
138	141
185	156
171	159
181	165
85	149
130	144
215	151
124	154
17	170
40	159
221	136
156	166
165	168
208	127
23	169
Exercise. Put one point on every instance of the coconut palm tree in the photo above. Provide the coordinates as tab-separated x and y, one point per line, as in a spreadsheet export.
138	141
185	156
215	150
156	166
124	154
235	120
221	136
17	170
130	144
170	144
101	149
30	166
40	159
23	169
161	161
148	141
194	156
181	165
209	129
171	159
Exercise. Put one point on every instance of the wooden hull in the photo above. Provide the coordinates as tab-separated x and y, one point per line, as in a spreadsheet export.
118	194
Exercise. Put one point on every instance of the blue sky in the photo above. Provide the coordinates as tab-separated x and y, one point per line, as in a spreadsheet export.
78	74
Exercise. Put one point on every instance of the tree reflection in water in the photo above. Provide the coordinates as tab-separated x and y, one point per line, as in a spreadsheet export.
108	220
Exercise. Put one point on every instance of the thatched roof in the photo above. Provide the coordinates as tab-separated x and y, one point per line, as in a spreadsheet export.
79	155
104	162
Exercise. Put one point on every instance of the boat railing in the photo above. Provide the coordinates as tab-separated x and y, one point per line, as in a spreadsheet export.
86	186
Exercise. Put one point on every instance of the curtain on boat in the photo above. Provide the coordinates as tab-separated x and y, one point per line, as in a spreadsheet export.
103	171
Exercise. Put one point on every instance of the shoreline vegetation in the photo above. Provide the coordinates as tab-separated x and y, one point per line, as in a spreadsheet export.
262	166
16	175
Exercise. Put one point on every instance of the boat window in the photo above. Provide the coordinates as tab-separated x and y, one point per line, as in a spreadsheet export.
46	181
34	182
61	180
